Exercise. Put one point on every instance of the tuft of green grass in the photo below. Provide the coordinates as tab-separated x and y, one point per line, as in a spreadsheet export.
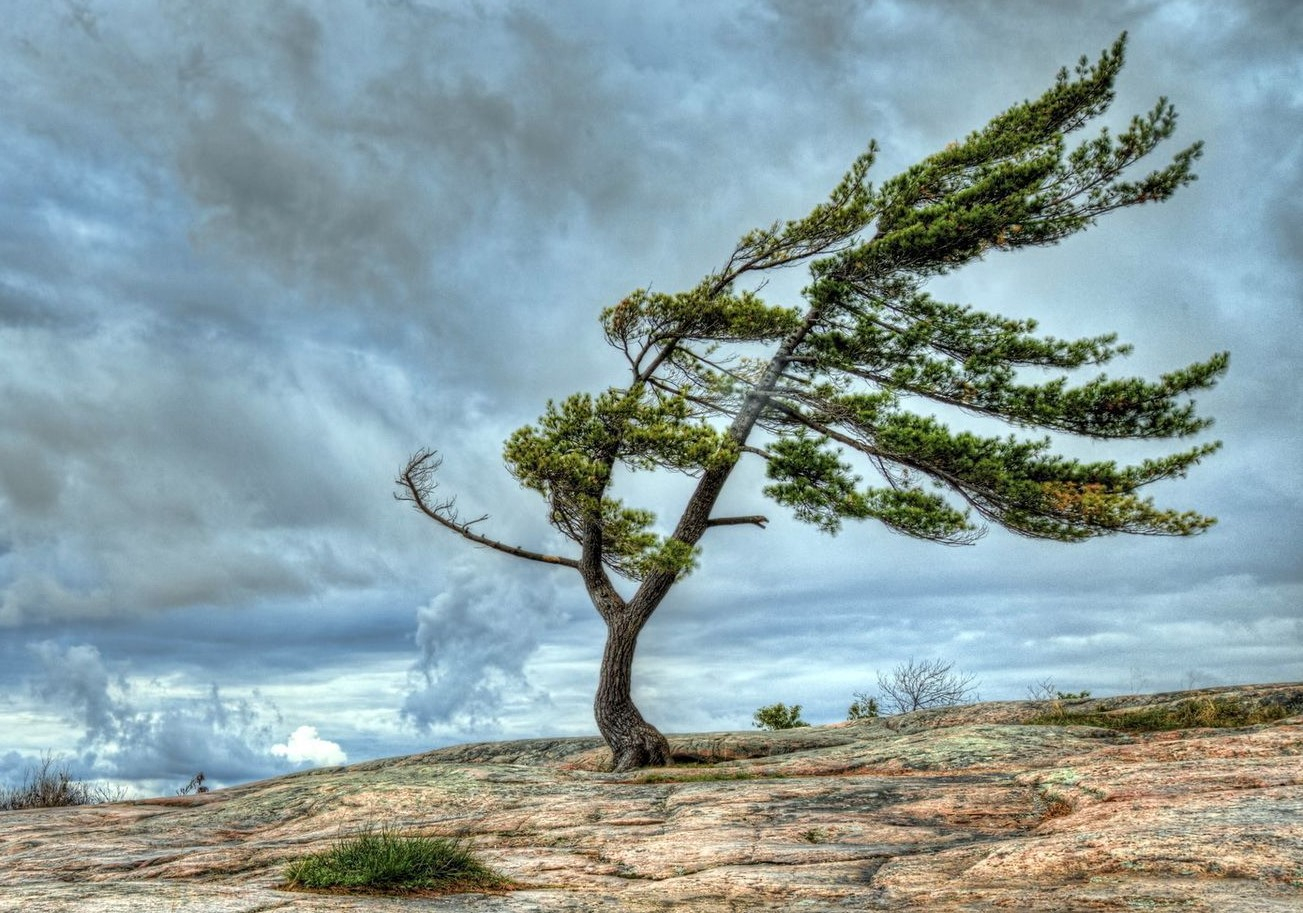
1197	713
384	861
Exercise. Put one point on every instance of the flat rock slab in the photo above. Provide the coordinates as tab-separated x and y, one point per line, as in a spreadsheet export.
964	809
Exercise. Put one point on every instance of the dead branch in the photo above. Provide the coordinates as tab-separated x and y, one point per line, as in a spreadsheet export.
417	484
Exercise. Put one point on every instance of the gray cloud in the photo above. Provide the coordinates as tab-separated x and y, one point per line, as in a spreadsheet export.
126	736
172	481
474	639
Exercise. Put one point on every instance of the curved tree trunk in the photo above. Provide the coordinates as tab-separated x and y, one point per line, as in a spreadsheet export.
633	741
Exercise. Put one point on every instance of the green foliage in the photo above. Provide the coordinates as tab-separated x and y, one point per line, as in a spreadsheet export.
51	785
1071	695
570	455
870	345
863	707
1216	713
1046	690
778	716
386	861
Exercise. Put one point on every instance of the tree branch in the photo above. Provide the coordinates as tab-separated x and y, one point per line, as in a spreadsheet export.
756	520
417	482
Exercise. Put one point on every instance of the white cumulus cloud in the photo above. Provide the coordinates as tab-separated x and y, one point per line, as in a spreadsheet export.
304	746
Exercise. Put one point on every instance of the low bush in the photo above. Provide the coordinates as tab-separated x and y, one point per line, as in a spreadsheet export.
778	716
1046	690
863	707
384	861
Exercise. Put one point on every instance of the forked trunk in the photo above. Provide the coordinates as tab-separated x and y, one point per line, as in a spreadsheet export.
633	741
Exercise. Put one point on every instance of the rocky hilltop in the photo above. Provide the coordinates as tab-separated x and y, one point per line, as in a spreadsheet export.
997	806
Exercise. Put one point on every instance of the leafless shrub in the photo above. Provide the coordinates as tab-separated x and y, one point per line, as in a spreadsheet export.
920	684
196	785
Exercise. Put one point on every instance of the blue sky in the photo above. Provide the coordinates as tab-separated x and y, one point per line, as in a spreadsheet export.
254	255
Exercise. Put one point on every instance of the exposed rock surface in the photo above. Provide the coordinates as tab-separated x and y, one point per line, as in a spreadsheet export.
962	809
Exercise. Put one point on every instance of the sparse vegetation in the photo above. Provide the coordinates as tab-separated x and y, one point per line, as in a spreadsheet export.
384	861
778	716
863	707
196	785
51	785
698	775
1196	713
1046	690
923	684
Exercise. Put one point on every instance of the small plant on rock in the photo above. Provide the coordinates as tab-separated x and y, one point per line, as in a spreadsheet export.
384	861
923	684
778	716
1045	690
196	785
863	707
1212	713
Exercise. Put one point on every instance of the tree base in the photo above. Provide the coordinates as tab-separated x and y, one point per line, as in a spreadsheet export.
643	747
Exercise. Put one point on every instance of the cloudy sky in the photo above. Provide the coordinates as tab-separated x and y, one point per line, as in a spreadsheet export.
253	255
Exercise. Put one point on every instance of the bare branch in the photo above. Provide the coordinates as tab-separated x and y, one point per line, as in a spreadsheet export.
418	485
755	520
922	684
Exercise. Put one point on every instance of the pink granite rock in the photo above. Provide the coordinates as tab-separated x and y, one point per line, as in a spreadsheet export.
963	809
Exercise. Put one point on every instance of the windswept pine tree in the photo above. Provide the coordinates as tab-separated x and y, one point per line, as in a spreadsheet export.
854	374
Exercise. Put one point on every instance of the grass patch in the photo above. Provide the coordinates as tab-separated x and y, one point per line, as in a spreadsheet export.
696	776
384	861
1196	713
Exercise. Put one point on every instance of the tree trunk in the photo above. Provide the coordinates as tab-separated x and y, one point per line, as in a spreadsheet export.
633	741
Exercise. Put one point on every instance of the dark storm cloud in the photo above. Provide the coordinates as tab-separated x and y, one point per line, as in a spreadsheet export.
181	481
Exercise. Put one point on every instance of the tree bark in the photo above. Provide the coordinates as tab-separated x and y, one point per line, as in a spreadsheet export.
633	741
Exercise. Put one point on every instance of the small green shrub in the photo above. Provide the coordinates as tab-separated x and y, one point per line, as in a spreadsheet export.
1046	690
863	707
778	716
51	785
384	861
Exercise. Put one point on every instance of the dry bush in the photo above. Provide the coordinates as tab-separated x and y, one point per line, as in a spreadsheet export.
921	684
51	785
